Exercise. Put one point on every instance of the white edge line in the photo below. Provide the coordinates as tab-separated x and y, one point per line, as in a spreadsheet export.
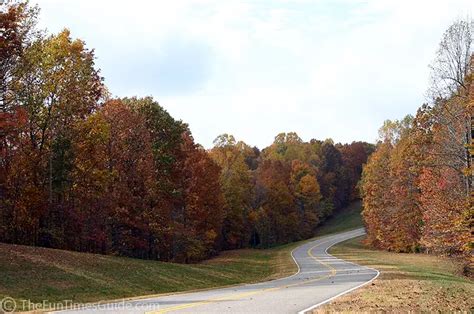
344	292
340	294
294	260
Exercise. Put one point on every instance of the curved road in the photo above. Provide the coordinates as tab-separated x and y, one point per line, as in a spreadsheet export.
321	277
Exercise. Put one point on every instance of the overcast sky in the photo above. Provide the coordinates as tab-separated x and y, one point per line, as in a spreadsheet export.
334	68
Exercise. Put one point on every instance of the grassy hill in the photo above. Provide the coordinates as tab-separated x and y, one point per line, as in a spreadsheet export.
36	274
55	275
344	219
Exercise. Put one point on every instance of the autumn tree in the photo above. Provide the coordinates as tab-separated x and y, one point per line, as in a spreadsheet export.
447	177
61	99
331	176
307	197
276	211
199	222
56	85
429	163
354	157
124	173
376	183
405	168
237	186
166	136
390	189
16	33
444	181
93	176
286	147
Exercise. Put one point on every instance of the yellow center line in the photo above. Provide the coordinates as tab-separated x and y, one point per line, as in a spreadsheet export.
330	267
246	294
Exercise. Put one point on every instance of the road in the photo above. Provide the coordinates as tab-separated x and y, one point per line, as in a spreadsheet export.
320	278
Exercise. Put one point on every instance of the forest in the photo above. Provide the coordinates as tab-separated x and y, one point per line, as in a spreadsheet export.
83	170
417	185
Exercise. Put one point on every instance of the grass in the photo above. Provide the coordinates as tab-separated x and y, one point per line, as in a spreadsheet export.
407	283
344	219
37	274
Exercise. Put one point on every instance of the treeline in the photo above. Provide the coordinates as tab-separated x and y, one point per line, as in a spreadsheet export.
417	185
83	171
284	192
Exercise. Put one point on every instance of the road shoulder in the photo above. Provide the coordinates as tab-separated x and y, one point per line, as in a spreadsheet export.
408	282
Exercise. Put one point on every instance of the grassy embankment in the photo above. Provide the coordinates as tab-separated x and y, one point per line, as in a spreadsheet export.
407	283
37	274
342	220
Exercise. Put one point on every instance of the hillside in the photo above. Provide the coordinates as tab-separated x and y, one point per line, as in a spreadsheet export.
39	273
343	219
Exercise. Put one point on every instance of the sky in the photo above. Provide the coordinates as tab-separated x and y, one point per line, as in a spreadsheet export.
322	68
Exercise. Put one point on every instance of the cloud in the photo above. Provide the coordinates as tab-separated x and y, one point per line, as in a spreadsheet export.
180	66
256	68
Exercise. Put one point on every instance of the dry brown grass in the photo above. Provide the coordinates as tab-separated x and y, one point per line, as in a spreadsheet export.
407	283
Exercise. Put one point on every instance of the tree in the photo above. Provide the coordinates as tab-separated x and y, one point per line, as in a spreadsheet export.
237	186
307	197
275	198
445	209
93	176
122	171
452	61
166	136
17	30
56	85
450	79
375	186
330	174
416	184
390	189
445	180
200	222
354	156
287	147
406	216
